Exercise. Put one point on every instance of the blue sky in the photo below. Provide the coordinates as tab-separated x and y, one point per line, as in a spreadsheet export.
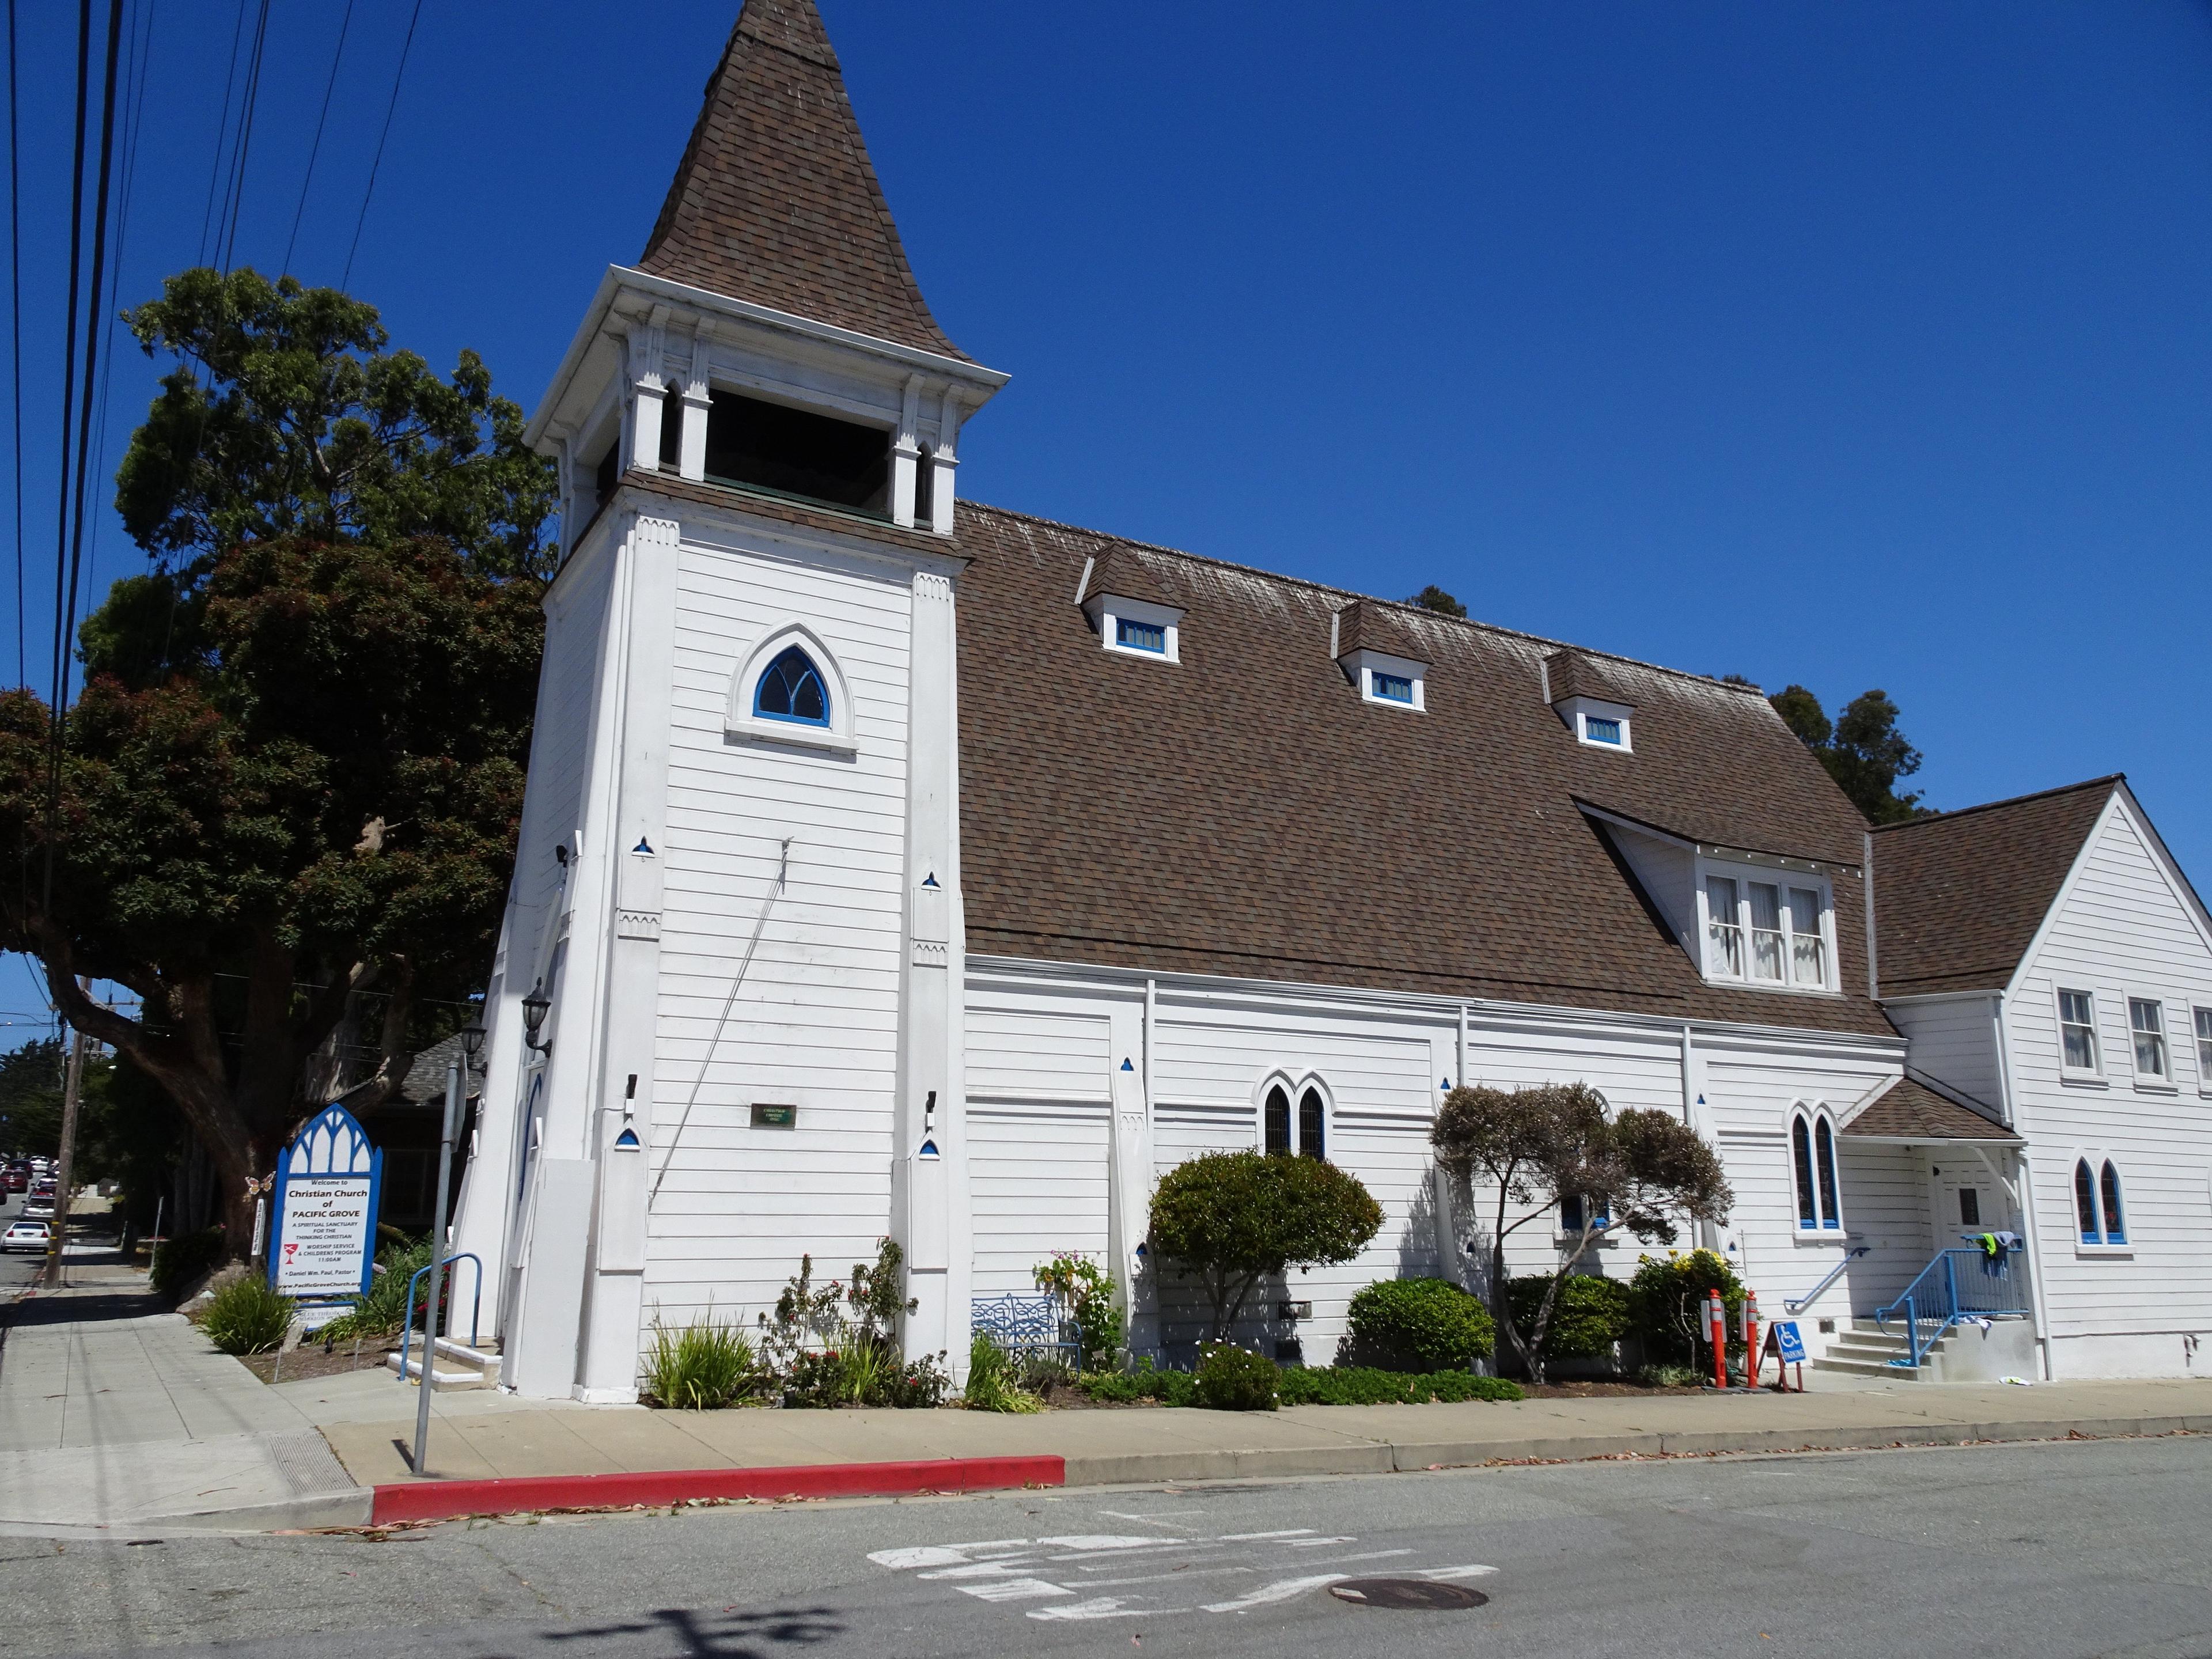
1854	346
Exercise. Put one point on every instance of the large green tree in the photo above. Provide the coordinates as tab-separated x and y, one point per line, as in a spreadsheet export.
1861	749
290	789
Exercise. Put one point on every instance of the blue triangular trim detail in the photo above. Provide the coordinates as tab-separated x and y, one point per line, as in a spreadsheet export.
627	1140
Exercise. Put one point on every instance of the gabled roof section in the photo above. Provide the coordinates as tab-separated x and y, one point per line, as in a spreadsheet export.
1571	674
1122	572
1370	625
1959	896
1243	813
776	201
1911	1110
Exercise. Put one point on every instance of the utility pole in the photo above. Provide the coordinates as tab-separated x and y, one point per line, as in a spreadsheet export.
65	1166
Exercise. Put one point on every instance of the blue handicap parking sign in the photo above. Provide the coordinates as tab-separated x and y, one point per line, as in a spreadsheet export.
1783	1333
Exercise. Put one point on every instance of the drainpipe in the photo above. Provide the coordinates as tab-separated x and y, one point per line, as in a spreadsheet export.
2020	1162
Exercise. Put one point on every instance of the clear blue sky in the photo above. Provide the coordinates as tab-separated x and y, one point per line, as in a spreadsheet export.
1855	346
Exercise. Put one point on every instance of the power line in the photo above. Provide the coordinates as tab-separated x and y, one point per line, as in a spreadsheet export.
222	131
315	149
234	200
398	75
15	353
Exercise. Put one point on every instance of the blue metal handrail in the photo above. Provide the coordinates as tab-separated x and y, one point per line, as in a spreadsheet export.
1834	1274
407	1329
1940	1295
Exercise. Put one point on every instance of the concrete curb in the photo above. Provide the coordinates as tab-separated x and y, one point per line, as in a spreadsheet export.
447	1500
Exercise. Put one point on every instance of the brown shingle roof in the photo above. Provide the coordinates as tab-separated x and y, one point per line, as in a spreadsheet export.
1370	625
1122	574
1959	896
776	201
1911	1110
1571	674
1243	812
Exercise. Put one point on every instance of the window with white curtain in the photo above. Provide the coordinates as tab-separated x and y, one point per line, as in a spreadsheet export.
2077	1031
2146	1023
1764	928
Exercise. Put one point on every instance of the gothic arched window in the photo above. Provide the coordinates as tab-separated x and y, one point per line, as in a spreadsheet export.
1812	1167
1312	1115
1278	1125
791	688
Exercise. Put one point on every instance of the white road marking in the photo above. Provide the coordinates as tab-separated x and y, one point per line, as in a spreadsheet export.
943	1555
1281	1590
1180	1573
1256	1537
1366	1555
979	1569
1441	1573
1311	1543
1013	1589
1102	1607
1108	1541
1150	1520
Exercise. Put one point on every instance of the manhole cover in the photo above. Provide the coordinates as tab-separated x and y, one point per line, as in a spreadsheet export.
1407	1593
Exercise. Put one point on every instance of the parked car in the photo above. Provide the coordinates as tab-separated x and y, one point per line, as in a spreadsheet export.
27	1235
14	1181
38	1209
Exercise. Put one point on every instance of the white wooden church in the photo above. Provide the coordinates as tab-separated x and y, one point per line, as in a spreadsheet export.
894	865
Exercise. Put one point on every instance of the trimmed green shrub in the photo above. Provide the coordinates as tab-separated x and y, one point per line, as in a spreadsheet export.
1085	1293
1666	1304
247	1317
1421	1325
703	1366
919	1383
1364	1385
1233	1220
1144	1382
992	1383
1590	1315
1233	1379
178	1261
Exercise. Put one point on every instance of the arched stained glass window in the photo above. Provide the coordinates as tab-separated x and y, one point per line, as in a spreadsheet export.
2116	1226
1278	1125
2085	1203
1823	1149
791	688
1801	1152
1311	1114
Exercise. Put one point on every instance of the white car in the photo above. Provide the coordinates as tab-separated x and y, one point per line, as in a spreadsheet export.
38	1209
27	1235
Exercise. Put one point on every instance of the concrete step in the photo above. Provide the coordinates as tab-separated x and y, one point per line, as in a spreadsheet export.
440	1377
457	1366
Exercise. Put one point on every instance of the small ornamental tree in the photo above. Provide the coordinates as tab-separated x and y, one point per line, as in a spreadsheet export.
1231	1219
1642	1170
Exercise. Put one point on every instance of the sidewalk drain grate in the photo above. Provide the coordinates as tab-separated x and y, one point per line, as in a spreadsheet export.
1422	1593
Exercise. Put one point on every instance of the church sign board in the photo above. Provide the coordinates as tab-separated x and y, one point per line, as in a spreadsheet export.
323	1245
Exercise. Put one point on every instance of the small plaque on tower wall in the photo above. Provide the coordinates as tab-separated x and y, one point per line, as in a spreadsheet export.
774	1117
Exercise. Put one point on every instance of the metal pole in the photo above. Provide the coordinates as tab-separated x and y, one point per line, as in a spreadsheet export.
439	1259
65	1165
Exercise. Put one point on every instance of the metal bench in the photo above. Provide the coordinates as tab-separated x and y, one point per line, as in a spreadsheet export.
1023	1326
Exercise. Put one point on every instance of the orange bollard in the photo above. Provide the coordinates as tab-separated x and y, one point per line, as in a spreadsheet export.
1751	1338
1717	1327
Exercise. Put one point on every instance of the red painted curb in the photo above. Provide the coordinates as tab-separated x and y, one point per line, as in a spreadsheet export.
444	1500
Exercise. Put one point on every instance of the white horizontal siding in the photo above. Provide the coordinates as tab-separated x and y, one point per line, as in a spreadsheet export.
1037	1056
1038	1177
1954	1041
815	1023
2120	930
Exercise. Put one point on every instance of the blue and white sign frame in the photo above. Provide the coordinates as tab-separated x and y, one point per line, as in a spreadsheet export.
322	1234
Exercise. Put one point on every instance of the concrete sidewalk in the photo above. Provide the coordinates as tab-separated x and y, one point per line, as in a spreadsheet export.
115	1414
115	1411
1160	1443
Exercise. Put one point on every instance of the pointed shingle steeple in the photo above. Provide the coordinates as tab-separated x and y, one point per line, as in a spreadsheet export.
775	202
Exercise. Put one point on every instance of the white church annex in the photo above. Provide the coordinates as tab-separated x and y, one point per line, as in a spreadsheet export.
893	865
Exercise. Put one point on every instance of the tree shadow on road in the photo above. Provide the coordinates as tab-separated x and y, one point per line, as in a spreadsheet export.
729	1634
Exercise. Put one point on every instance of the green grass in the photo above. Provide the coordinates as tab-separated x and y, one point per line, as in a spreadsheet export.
701	1367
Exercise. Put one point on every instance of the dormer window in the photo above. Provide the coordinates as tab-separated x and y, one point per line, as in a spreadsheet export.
1596	708
1770	928
1132	635
1133	613
1374	647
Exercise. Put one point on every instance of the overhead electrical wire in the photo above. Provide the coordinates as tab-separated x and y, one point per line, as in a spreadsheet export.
234	198
16	351
398	75
221	133
69	541
315	149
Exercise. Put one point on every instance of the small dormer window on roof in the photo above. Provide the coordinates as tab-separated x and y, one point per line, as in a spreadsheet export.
1131	611
1378	654
1595	709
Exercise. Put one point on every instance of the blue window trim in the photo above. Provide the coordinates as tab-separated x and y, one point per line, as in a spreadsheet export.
1133	635
1390	688
794	685
1599	729
2114	1206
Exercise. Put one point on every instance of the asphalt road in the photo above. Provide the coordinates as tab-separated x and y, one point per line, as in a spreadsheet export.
17	1269
2089	1548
